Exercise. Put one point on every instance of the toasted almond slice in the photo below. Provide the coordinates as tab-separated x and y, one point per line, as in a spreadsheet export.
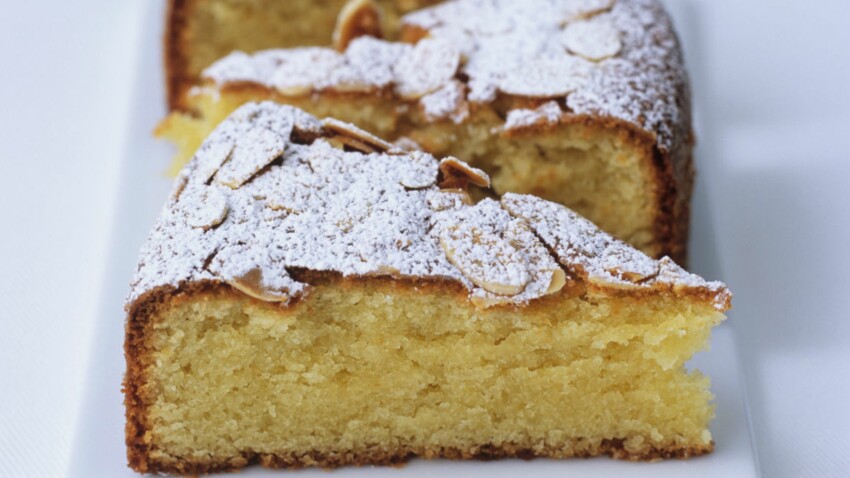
545	115
289	197
341	142
356	18
472	242
253	285
404	145
300	71
457	174
210	158
547	77
559	280
581	9
428	66
448	102
419	170
205	206
348	129
253	151
477	272
595	39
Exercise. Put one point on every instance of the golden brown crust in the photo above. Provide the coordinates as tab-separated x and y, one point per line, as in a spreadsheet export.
611	448
177	79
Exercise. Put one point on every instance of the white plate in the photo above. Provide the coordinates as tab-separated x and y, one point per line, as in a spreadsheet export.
99	448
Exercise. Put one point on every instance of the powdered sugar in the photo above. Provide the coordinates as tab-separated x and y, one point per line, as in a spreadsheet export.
546	114
319	208
518	48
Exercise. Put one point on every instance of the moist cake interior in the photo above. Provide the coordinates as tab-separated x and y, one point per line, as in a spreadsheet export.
369	368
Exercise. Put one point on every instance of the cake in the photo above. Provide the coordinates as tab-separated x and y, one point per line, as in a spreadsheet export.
312	295
581	102
198	32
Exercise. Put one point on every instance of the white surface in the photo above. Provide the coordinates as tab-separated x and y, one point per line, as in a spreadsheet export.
65	84
772	80
99	448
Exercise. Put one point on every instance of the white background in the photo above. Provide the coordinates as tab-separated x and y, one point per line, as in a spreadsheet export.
772	84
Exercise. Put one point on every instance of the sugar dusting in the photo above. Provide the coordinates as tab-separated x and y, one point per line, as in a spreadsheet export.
320	208
531	49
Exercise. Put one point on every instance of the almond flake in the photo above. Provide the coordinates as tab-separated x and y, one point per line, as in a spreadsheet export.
420	174
581	9
302	70
472	239
252	284
428	66
205	207
351	131
546	77
253	151
356	18
595	39
457	174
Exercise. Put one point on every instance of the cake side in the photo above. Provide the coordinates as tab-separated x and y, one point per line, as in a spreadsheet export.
506	358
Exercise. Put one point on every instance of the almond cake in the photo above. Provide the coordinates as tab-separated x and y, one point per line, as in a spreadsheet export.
312	295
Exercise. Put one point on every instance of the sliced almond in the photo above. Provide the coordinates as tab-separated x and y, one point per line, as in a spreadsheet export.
595	39
547	275
496	276
559	280
428	66
364	137
300	71
457	174
289	197
348	143
471	238
211	156
546	77
545	115
254	150
581	9
205	207
356	18
448	102
419	170
253	285
404	145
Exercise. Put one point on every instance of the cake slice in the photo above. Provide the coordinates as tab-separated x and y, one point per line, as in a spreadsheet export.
200	32
584	103
313	296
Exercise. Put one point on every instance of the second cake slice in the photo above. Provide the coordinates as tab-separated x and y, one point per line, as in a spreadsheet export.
584	103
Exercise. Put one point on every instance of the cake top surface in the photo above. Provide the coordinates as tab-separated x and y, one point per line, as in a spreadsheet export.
610	58
274	190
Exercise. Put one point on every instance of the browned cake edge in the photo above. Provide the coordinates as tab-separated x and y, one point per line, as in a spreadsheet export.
137	398
177	79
